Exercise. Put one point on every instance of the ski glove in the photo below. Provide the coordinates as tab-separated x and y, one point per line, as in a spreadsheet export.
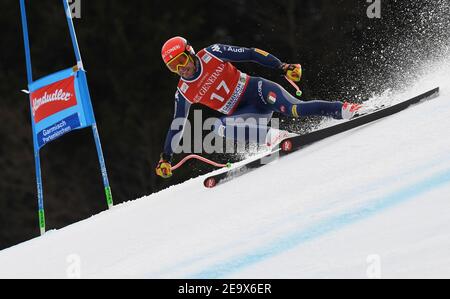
292	71
164	168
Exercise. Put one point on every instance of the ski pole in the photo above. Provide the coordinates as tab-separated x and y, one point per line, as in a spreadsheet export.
299	93
202	159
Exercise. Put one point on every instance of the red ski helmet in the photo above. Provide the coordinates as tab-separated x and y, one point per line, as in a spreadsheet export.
174	47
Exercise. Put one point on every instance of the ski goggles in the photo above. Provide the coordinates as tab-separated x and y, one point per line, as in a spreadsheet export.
180	60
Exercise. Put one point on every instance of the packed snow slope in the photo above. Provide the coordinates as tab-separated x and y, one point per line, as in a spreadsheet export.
372	202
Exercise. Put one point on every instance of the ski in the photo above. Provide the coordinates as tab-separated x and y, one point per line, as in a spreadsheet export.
291	145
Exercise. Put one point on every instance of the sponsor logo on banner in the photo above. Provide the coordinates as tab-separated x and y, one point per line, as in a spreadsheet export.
59	129
53	98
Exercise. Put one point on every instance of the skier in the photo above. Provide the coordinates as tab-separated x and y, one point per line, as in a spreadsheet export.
209	78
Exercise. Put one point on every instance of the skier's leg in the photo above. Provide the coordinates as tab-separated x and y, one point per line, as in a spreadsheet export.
276	98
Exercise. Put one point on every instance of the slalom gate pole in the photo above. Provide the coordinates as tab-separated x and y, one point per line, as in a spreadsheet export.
73	35
101	159
26	41
83	118
40	191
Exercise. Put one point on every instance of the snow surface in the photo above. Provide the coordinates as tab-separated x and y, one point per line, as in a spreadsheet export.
370	203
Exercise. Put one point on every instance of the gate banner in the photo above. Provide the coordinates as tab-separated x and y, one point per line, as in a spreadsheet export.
60	103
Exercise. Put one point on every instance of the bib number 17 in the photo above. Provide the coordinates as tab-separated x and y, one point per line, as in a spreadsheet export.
223	86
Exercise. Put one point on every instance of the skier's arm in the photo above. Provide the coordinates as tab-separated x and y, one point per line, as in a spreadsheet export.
182	108
242	54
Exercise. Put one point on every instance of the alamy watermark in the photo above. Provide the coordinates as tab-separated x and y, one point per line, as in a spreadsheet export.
73	270
75	8
374	266
374	9
211	135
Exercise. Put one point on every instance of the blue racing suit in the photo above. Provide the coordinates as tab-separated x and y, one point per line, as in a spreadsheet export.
260	100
